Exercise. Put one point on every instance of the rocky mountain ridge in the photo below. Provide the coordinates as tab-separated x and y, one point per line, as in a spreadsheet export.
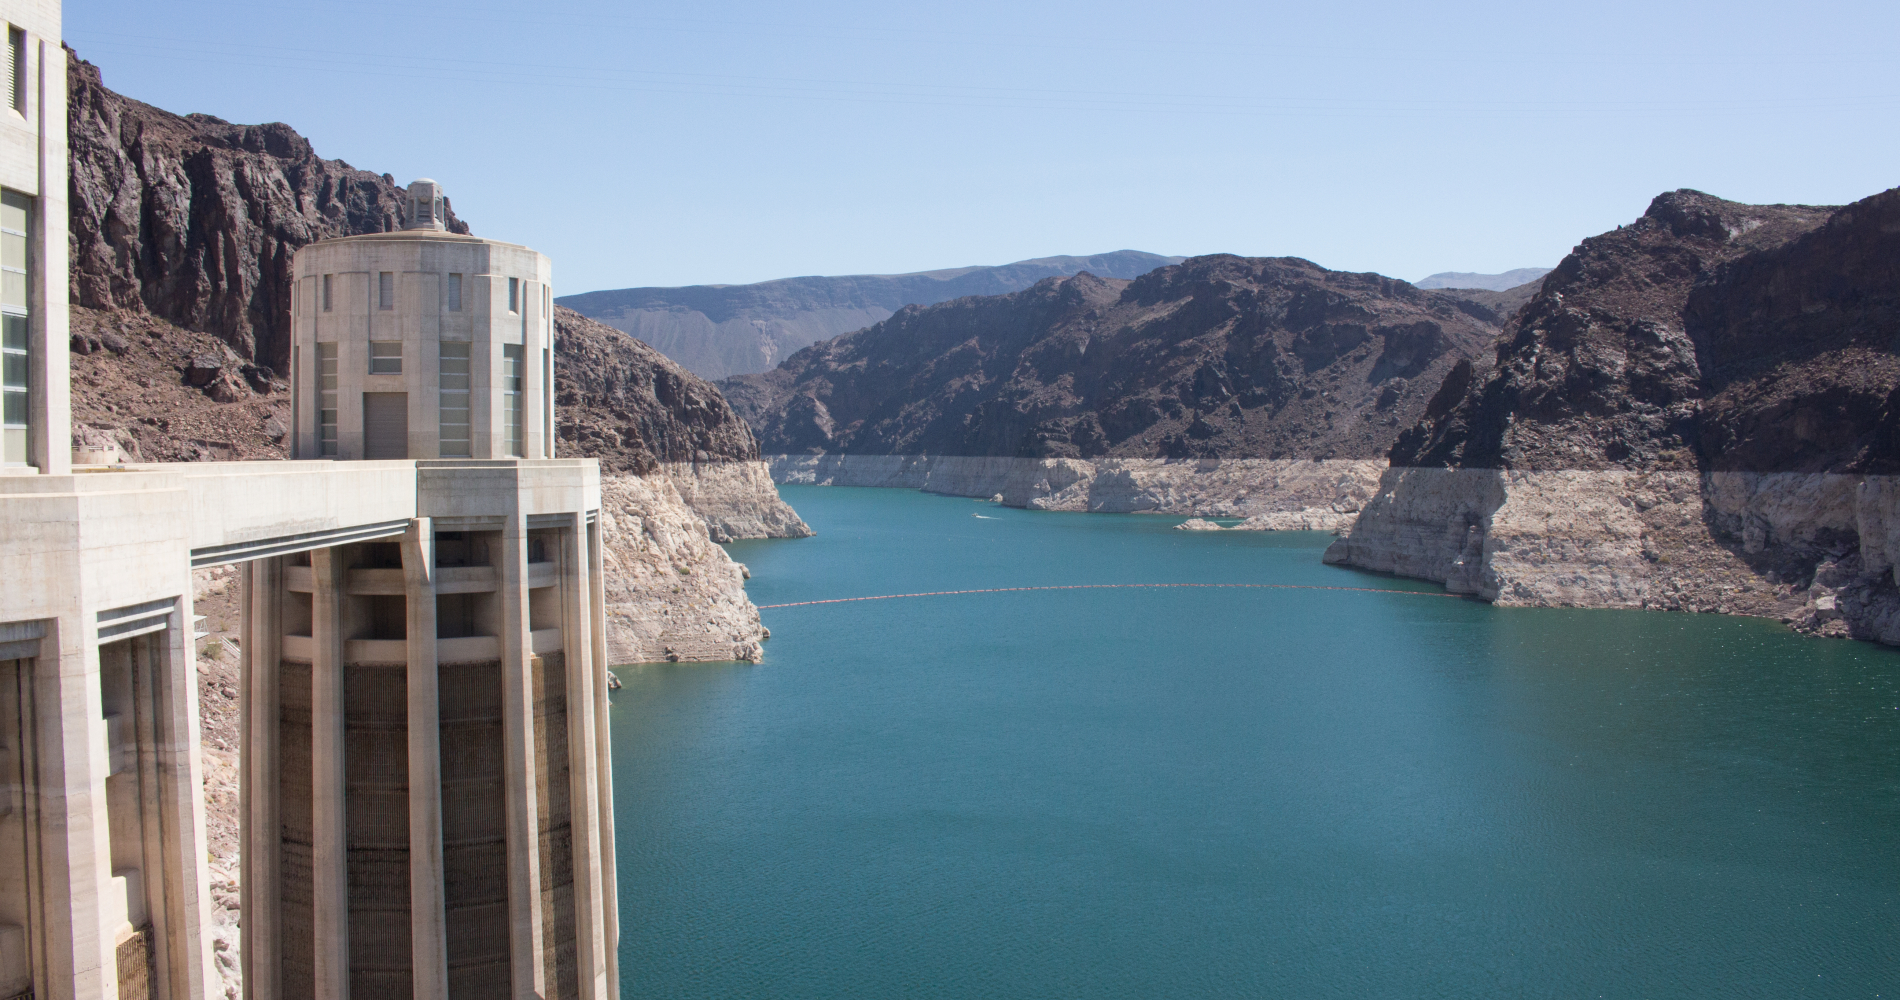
1217	357
721	330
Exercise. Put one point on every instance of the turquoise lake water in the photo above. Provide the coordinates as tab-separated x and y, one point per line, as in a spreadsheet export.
1240	792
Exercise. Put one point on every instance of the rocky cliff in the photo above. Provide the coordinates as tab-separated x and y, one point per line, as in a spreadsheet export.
194	219
722	330
1696	412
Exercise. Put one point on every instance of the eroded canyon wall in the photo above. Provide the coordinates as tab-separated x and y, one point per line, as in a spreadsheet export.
1697	412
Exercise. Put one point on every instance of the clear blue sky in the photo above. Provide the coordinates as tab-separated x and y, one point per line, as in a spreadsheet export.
648	144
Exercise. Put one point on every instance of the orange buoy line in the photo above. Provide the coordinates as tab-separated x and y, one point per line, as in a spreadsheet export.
1111	586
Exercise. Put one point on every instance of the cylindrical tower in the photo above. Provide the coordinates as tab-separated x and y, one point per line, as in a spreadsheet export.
421	343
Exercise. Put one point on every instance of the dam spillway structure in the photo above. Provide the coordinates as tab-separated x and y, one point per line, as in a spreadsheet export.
426	805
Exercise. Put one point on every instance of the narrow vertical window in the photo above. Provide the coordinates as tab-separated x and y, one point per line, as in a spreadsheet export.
455	293
385	357
386	290
15	283
511	385
547	404
326	400
16	69
514	294
454	401
296	404
326	293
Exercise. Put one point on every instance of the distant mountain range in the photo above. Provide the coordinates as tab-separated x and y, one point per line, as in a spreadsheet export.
1489	282
720	330
1216	357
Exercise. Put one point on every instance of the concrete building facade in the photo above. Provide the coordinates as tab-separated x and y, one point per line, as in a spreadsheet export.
426	792
422	344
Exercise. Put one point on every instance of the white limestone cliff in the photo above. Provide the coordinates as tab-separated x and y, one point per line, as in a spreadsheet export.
672	593
1814	550
1312	490
736	500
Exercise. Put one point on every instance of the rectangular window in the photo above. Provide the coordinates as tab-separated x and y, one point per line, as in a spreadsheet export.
514	294
511	386
326	293
454	401
385	357
16	69
455	293
326	400
547	405
386	290
16	422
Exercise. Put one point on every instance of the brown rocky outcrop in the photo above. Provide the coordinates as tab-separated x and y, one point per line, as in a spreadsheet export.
1216	357
194	219
620	401
1597	371
1797	349
1697	412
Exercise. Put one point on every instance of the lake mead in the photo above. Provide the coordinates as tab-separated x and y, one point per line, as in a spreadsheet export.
1239	792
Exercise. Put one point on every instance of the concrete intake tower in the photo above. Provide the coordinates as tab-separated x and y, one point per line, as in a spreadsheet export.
426	785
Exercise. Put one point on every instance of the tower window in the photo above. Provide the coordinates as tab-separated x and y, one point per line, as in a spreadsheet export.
385	357
16	69
326	400
455	293
326	293
454	437
15	280
512	378
386	290
514	294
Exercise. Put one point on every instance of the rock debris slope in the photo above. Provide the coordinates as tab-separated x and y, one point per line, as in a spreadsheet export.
1136	387
722	330
1697	412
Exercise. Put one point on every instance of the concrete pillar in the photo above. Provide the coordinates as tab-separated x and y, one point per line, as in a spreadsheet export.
50	330
529	973
187	885
261	861
75	831
428	926
603	755
329	832
583	761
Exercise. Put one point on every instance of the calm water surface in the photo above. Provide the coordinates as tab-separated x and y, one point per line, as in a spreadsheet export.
1240	793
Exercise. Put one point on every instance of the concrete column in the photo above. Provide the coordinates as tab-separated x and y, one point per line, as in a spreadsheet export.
529	976
603	756
583	762
75	831
49	332
428	925
181	783
261	860
329	833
